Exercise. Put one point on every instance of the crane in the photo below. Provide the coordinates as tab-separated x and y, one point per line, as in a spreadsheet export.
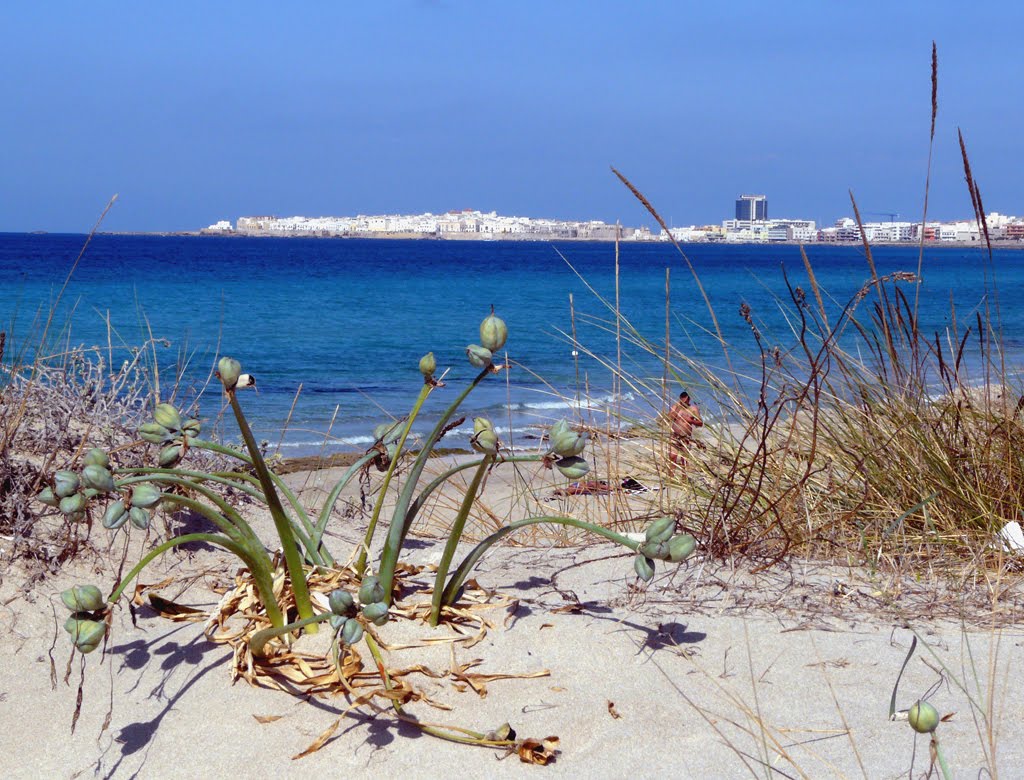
892	215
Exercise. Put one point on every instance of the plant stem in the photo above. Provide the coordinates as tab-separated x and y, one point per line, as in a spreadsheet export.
325	558
470	738
332	499
281	521
455	583
371	529
396	531
455	535
414	509
260	570
198	477
258	641
946	774
230	522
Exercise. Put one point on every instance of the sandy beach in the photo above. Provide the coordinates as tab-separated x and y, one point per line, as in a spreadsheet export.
708	671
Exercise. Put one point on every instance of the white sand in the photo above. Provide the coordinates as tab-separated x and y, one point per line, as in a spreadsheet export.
710	672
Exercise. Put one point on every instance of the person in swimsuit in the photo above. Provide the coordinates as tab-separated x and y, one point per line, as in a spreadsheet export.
683	417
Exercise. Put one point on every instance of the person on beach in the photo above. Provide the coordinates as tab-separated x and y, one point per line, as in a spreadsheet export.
683	417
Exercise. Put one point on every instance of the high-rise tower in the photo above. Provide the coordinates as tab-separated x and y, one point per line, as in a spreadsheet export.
752	208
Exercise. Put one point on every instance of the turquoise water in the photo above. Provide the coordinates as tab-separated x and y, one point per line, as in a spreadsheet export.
348	319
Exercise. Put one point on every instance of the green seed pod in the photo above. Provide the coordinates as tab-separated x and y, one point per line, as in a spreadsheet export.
337	621
229	370
681	547
115	516
83	598
558	429
504	733
644	567
170	455
154	433
96	457
479	357
371	590
72	504
48	497
65	483
428	365
388	432
192	428
167	416
353	631
85	634
568	443
139	517
573	467
923	718
661	530
376	612
486	442
482	424
341	602
145	495
656	550
493	332
98	478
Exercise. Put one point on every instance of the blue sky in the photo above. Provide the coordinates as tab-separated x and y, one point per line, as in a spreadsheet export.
196	112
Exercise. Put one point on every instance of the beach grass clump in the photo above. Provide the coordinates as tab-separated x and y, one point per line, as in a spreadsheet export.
857	435
861	434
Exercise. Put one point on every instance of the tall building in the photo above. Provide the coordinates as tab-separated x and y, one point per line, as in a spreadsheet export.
752	208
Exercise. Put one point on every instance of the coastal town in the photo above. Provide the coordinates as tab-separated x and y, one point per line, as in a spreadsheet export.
750	224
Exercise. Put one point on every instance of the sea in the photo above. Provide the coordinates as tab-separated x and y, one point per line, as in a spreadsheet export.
333	329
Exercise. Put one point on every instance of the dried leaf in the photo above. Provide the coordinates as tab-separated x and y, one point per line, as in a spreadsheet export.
510	615
172	611
267	718
141	588
546	625
478	682
541	752
320	741
78	701
568	609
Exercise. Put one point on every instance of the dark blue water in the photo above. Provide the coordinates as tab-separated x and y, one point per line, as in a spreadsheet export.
348	319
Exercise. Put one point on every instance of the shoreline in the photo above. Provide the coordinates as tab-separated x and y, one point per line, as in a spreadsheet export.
1013	244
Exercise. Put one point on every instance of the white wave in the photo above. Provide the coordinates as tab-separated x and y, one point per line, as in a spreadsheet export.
596	402
332	442
464	430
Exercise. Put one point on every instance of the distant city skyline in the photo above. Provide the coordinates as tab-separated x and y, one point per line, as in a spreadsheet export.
198	113
750	225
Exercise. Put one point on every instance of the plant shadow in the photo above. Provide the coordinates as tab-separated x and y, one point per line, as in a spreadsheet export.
137	737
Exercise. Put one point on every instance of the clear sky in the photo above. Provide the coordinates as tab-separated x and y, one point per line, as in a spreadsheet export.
196	112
